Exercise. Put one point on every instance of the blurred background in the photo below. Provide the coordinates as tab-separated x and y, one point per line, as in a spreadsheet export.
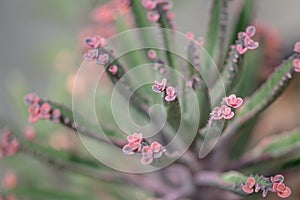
41	46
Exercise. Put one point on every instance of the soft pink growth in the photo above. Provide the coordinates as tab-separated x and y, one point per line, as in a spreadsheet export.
248	187
34	113
297	47
91	54
233	101
241	50
171	16
146	160
153	16
104	13
200	42
277	178
250	31
29	133
282	190
226	112
190	35
95	42
149	4
102	59
152	54
170	94
113	69
296	64
250	44
10	180
157	149
159	87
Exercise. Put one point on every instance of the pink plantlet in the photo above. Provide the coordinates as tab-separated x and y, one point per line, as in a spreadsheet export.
13	147
200	42
153	16
282	190
91	54
171	16
146	160
147	155
95	42
227	112
104	14
190	35
277	178
250	44
248	187
29	133
34	113
250	31
32	98
113	69
297	47
131	148
55	116
45	111
241	35
233	101
159	87
149	4
157	149
102	59
170	94
296	64
152	54
241	50
216	114
136	137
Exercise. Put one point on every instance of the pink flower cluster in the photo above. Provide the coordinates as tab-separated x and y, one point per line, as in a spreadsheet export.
296	61
277	186
137	144
225	111
8	145
170	92
245	40
153	7
39	109
94	53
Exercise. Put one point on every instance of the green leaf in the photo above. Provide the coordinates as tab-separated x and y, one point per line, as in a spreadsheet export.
234	177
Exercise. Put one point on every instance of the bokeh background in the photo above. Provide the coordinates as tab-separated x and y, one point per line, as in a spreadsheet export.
40	45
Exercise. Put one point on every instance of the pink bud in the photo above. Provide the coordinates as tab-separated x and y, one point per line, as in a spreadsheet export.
153	16
297	47
32	98
171	16
190	35
157	149
113	69
45	111
248	187
241	50
102	59
10	180
149	4
136	137
216	114
250	31
55	117
95	42
91	54
131	148
226	112
296	64
250	44
152	54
